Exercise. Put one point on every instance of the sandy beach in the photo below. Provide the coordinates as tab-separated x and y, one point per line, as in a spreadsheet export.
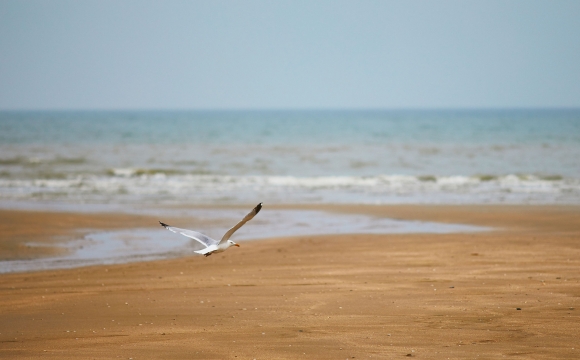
418	166
512	292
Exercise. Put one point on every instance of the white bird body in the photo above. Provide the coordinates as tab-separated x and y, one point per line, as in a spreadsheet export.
211	245
216	248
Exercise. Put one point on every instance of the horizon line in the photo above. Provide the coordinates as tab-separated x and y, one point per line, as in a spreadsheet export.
290	109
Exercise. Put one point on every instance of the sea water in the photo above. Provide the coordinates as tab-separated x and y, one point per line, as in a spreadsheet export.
163	163
234	157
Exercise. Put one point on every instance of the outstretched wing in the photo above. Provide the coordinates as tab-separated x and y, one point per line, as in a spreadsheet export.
197	236
241	223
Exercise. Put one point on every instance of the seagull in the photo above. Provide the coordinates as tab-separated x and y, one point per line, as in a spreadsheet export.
211	245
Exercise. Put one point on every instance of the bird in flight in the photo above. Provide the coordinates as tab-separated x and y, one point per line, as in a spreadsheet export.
211	245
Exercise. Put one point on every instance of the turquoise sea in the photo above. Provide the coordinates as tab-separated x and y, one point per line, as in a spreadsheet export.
232	157
165	163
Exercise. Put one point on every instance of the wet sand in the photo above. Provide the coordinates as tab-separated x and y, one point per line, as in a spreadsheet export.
430	296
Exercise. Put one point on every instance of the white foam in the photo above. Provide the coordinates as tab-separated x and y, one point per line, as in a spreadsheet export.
335	189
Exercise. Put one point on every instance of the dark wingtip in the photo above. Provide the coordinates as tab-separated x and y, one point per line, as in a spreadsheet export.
163	224
258	208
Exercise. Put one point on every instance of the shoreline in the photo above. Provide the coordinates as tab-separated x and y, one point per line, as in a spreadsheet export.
70	239
326	296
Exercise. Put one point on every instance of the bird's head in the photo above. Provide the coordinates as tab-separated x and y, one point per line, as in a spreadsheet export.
233	243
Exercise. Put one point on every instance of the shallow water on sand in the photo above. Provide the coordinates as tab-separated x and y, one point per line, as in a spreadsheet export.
111	247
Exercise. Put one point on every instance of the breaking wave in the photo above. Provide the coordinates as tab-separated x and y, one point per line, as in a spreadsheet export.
166	186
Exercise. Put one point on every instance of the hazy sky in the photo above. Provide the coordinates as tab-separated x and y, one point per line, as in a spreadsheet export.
289	54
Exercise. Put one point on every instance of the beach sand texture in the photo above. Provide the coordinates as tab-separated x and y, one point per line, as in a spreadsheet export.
513	292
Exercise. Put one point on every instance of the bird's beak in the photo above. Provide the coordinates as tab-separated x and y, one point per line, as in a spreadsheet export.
238	245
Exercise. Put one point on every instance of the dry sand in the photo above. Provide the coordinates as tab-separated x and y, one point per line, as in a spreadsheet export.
428	296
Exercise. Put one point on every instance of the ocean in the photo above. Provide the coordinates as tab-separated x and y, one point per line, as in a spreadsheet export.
289	157
166	163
